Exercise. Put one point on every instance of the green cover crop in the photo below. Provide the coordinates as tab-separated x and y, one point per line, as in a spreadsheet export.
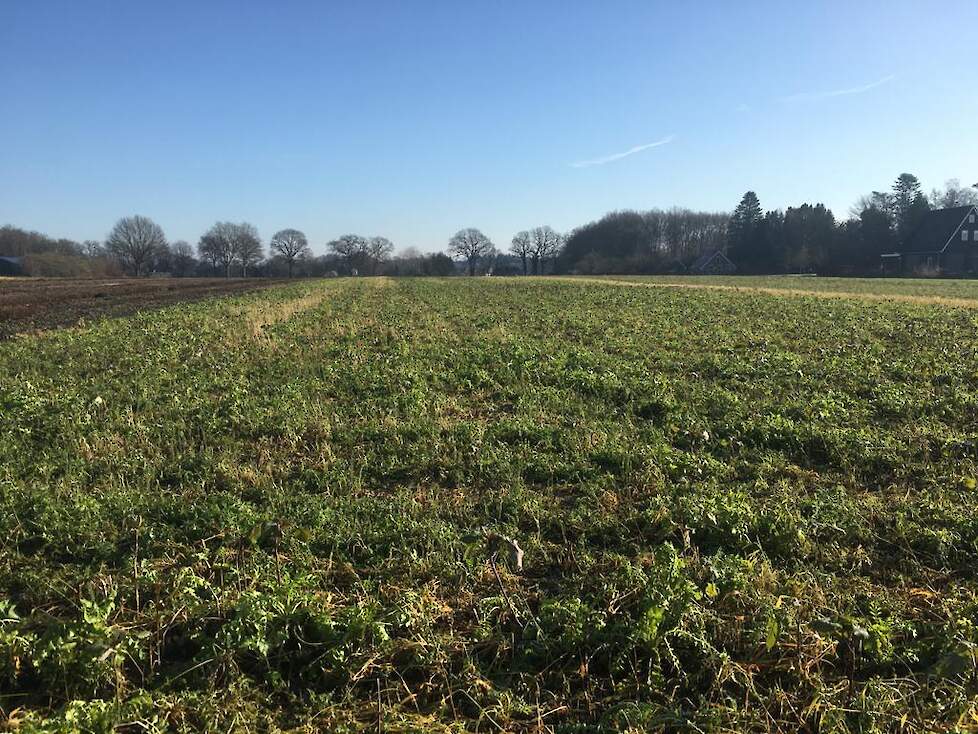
298	509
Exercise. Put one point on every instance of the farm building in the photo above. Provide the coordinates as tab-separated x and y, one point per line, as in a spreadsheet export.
945	243
11	265
713	262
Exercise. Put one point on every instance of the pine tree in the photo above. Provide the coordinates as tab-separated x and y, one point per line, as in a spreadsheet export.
744	233
909	206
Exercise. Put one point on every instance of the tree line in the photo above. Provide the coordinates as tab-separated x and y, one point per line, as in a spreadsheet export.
653	241
808	239
137	245
801	239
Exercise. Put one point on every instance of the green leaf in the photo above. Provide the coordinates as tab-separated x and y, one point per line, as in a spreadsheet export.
773	628
253	534
650	622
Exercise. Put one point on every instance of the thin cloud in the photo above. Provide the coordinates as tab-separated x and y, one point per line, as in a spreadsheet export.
618	156
812	96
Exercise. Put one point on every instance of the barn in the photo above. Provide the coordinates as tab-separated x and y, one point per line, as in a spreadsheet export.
714	262
945	243
11	265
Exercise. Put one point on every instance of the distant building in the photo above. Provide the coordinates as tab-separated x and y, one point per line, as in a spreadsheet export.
11	266
713	262
945	243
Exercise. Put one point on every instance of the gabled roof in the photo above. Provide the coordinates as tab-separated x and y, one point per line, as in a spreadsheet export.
703	260
937	228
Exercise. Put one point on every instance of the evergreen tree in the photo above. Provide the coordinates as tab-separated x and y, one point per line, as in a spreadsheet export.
906	188
845	254
808	235
770	246
909	206
876	237
745	233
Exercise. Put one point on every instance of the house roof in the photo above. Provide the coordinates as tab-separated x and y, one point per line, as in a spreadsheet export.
703	260
936	229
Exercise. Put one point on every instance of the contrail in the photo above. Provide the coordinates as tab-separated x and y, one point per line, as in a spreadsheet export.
810	96
618	156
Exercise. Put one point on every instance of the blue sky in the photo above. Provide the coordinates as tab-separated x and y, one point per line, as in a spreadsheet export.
412	120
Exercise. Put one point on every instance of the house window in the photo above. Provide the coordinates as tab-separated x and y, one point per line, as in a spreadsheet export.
964	235
971	219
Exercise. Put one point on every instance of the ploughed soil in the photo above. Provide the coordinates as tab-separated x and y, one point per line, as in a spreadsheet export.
37	304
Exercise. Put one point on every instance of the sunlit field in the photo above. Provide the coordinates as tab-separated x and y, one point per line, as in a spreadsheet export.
496	505
904	288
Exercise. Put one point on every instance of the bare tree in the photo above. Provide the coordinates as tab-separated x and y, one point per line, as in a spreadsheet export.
879	200
353	248
380	250
522	246
161	261
226	243
211	249
134	240
953	194
217	246
181	258
546	244
291	244
471	245
247	247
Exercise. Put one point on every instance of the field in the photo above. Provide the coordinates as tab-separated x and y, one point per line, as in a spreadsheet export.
960	293
496	505
31	304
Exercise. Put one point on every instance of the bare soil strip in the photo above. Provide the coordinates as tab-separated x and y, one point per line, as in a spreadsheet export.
843	295
39	304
